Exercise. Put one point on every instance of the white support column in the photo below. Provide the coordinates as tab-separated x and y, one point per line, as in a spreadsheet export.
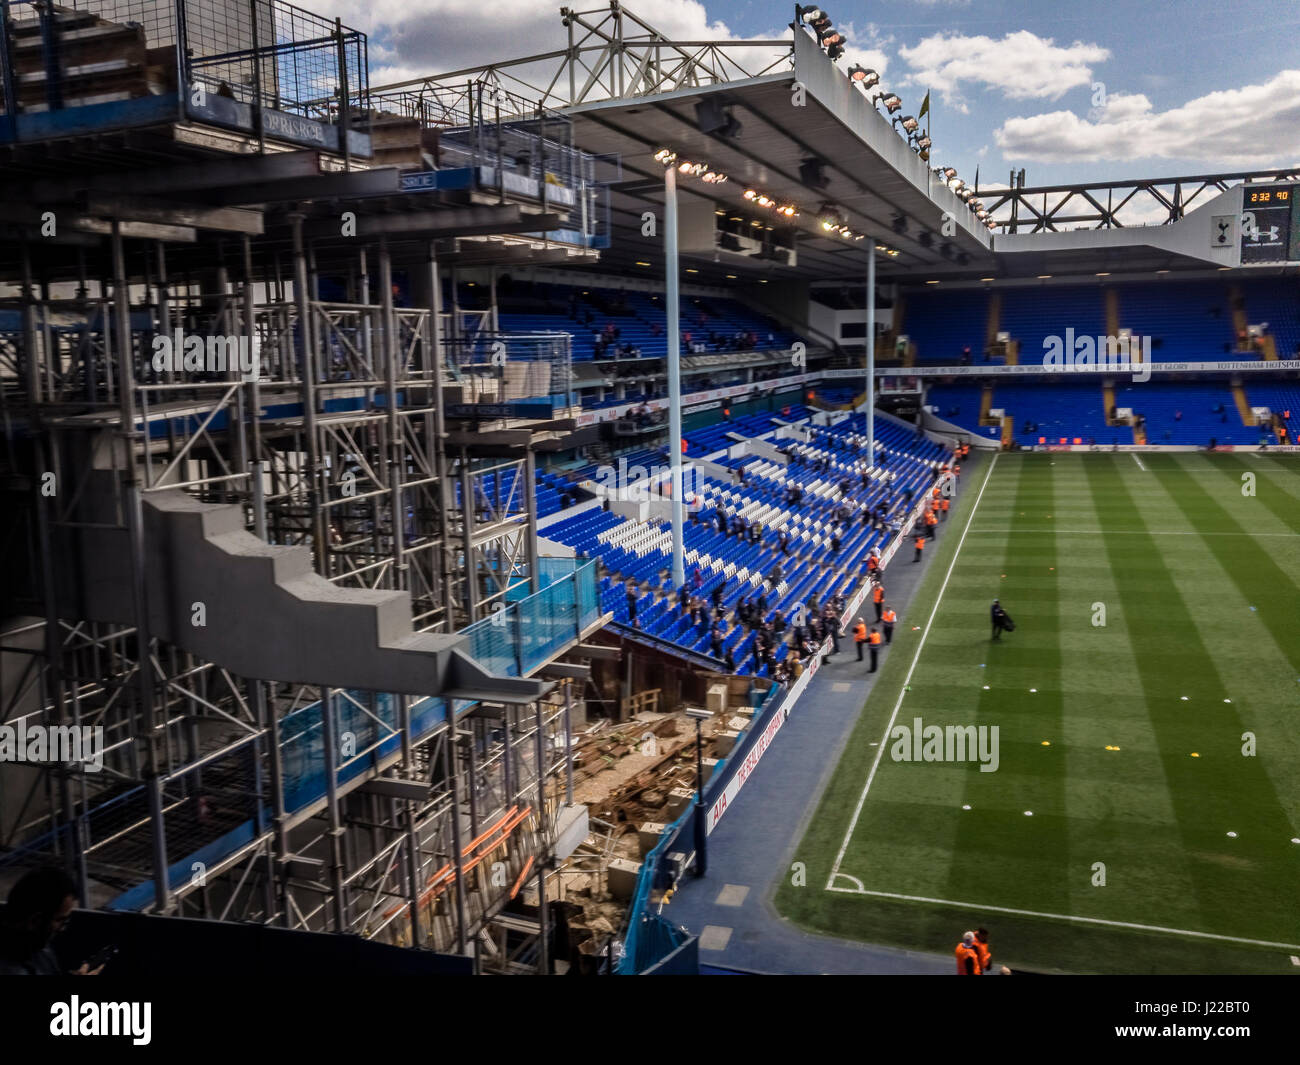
674	370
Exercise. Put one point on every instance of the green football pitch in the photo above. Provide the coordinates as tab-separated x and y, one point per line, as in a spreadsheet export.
1144	815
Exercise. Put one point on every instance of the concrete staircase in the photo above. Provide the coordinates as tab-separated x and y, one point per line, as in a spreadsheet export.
261	610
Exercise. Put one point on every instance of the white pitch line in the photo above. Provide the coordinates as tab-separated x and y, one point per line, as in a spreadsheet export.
1138	461
1065	917
908	679
1116	532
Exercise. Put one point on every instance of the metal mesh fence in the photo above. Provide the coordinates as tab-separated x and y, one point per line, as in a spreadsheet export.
255	51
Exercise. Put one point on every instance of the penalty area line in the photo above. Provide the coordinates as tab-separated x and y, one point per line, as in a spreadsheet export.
857	812
980	907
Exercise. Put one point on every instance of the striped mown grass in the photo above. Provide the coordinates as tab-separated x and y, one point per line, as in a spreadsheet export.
1157	646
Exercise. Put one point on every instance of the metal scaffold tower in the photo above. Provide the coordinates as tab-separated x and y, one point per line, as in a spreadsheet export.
247	547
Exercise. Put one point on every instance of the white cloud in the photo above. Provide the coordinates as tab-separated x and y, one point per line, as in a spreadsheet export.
1255	126
1021	65
865	46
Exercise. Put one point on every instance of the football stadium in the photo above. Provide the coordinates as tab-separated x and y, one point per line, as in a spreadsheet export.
639	506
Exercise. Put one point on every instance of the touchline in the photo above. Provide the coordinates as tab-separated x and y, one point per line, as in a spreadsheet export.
102	1018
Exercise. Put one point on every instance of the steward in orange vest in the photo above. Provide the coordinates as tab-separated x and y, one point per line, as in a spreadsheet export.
878	597
968	959
860	636
920	546
889	617
982	948
873	643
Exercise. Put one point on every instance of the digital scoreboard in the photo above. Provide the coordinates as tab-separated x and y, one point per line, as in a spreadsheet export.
1270	223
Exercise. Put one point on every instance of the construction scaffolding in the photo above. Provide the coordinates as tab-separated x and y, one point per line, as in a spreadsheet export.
248	544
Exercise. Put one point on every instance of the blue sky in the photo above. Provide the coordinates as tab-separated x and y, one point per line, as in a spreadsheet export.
1081	91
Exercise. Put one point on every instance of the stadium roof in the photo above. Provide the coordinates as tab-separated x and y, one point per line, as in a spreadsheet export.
633	93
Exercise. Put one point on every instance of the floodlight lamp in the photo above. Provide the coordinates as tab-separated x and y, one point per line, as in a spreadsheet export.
863	77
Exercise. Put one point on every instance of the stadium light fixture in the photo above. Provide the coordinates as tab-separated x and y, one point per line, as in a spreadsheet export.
863	77
908	122
923	142
713	116
812	172
666	156
892	103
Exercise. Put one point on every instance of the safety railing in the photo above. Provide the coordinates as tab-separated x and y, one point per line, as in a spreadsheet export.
520	636
265	67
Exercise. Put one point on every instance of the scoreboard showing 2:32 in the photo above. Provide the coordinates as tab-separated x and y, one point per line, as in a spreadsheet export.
1270	224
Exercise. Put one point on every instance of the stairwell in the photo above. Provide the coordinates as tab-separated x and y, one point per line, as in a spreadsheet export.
1108	402
1243	405
1112	310
994	322
1237	301
260	610
1241	324
986	404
